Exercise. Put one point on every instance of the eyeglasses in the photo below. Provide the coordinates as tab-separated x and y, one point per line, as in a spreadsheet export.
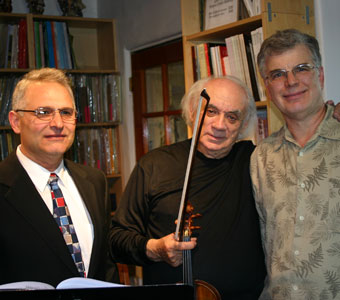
46	114
300	72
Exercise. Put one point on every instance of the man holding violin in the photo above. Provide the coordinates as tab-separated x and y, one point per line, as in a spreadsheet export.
226	250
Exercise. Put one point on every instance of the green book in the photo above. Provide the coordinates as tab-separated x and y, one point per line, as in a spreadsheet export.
38	64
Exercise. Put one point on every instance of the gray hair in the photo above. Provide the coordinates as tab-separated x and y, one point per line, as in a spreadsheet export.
190	101
285	40
40	75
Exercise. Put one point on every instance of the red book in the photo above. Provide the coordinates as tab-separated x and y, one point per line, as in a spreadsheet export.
223	53
207	58
22	45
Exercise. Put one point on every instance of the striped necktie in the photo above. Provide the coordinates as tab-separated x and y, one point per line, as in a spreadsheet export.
64	221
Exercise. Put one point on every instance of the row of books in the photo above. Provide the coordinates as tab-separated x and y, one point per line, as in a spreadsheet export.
7	85
235	56
8	142
96	147
97	97
53	45
13	46
87	148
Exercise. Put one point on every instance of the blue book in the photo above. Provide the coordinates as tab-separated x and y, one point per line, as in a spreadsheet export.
67	46
60	44
50	45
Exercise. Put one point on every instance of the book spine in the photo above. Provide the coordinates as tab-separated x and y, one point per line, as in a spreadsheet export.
54	46
9	46
37	45
67	46
202	61
42	48
22	53
50	51
15	40
3	44
207	59
59	38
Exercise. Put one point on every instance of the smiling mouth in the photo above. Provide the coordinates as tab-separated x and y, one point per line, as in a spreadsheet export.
294	95
57	136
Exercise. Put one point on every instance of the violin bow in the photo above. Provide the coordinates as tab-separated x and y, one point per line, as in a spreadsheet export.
194	142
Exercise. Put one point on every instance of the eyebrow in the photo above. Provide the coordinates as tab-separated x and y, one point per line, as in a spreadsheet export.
304	63
237	112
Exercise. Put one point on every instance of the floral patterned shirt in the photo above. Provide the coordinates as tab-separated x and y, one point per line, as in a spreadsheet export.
297	194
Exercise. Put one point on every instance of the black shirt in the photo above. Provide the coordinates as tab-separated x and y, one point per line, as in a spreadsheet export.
228	254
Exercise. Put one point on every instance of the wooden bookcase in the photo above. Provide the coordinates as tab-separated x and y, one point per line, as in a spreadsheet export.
276	15
94	46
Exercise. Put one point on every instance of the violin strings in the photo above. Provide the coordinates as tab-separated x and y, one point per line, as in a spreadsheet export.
187	268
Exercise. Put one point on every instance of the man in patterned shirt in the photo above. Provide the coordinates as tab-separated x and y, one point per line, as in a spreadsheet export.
296	174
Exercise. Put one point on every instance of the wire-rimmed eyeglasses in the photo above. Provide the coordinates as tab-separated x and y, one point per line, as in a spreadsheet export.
46	114
300	72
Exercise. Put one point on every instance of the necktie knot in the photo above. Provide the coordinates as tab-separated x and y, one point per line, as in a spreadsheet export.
53	183
53	179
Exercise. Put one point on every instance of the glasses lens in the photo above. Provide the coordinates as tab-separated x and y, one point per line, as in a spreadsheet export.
67	114
47	114
277	75
302	70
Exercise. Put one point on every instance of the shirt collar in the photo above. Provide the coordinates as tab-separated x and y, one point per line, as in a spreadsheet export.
37	173
328	128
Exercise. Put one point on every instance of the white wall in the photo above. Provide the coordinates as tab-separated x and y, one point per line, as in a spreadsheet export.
327	23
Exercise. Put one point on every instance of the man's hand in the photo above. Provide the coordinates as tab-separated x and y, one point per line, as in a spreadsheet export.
168	249
336	114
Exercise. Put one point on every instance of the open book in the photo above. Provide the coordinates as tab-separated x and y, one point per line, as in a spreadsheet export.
70	283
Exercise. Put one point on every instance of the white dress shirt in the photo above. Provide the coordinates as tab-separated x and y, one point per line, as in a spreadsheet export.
78	211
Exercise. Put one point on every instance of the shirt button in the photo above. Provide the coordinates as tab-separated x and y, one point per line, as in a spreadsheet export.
295	287
296	252
302	185
301	218
300	153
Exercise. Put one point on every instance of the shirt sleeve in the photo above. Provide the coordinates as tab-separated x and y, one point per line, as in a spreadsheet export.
127	235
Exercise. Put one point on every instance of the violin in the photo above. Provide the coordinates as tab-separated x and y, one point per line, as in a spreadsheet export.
203	290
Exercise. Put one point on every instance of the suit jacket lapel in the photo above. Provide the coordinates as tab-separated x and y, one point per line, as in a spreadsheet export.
24	197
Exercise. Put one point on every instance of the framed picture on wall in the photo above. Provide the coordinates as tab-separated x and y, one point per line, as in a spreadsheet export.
220	12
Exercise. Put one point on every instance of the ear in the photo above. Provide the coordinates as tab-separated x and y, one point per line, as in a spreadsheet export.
14	120
321	77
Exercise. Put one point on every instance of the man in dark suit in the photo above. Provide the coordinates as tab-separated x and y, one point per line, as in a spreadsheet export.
32	245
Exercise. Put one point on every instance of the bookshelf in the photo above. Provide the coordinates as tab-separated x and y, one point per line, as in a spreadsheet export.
275	15
94	60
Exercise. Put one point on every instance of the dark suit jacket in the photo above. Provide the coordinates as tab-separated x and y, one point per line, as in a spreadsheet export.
31	245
